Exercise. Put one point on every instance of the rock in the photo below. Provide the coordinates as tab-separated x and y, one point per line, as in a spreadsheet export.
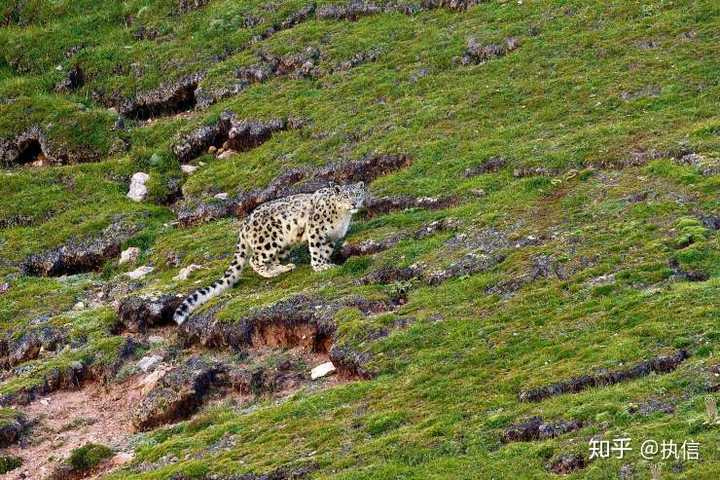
212	149
492	164
29	345
149	362
227	154
221	196
138	313
322	370
536	429
138	190
185	272
168	99
139	272
176	395
129	255
188	169
79	306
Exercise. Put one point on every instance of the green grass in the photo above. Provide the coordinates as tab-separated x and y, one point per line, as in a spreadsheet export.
448	383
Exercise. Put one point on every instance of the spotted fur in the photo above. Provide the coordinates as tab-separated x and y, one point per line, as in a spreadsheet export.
266	236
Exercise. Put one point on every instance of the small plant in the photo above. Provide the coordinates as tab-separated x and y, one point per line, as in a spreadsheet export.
9	463
88	456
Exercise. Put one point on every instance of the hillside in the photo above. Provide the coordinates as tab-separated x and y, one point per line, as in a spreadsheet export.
537	267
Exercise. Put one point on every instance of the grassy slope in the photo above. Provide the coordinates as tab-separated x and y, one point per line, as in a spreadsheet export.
446	387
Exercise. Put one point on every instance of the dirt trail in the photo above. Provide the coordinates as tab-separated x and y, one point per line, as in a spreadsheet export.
68	419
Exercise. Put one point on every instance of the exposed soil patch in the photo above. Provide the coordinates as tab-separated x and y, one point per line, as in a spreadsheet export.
78	256
296	18
230	133
477	53
567	463
536	172
169	99
470	264
185	6
536	429
659	364
301	180
652	406
66	420
138	313
682	274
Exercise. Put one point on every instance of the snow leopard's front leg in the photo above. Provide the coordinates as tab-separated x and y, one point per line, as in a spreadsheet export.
321	247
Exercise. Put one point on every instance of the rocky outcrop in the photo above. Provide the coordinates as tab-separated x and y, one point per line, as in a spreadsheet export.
384	205
176	395
660	364
168	99
75	79
78	256
567	463
28	345
231	133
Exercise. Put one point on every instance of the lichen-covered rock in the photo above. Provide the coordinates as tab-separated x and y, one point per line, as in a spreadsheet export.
79	256
176	395
536	429
567	463
470	264
138	313
138	191
383	205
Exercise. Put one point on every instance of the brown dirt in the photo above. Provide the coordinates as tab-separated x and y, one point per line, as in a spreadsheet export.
66	420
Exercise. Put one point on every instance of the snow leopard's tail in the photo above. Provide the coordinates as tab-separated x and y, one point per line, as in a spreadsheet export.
232	275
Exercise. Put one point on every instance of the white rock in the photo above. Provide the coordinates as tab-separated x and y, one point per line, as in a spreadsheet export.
79	306
322	370
139	273
138	190
188	169
148	363
149	382
226	154
129	255
221	196
185	272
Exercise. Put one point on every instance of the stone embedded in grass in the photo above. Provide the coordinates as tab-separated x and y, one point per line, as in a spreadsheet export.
129	255
659	364
177	395
139	272
138	191
188	169
687	275
358	59
536	429
186	6
567	463
138	313
383	205
322	370
79	256
478	53
185	272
